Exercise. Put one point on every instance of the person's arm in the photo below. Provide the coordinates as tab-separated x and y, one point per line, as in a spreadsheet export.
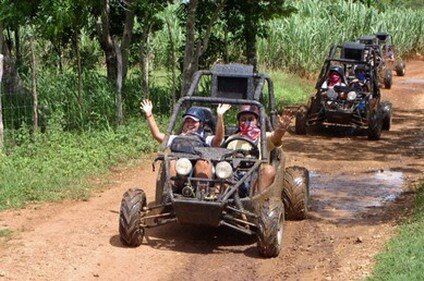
281	128
146	106
220	129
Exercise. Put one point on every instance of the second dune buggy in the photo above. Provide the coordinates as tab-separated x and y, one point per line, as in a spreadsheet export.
354	102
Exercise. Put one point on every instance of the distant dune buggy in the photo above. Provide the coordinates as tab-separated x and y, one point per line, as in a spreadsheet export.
385	76
393	62
355	102
218	202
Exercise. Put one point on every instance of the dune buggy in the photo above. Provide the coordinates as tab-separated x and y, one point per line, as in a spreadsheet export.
218	201
376	57
354	103
393	62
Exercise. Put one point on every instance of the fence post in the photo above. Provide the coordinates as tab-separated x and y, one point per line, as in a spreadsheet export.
1	107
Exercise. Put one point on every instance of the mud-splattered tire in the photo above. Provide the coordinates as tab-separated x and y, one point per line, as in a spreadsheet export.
132	204
270	227
388	79
375	125
301	120
296	192
386	108
399	67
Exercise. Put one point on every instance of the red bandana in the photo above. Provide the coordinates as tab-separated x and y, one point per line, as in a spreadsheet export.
250	131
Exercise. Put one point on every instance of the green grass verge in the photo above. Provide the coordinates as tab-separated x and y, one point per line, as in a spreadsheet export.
56	165
290	89
403	258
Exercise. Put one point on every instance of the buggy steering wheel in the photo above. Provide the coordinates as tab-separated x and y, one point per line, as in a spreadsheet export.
252	151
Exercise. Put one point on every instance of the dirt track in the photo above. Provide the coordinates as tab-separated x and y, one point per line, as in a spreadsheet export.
356	202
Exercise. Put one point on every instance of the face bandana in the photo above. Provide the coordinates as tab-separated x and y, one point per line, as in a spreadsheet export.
334	79
250	130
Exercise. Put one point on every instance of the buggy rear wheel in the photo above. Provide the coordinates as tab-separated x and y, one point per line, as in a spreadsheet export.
296	192
270	227
386	107
301	120
130	230
388	79
400	68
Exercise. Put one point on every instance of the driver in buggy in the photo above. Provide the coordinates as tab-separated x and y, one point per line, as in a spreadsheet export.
193	125
335	78
248	122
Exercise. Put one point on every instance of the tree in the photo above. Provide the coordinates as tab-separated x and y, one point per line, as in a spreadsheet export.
247	21
195	46
114	25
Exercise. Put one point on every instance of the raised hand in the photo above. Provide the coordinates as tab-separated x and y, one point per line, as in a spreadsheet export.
284	119
222	108
147	107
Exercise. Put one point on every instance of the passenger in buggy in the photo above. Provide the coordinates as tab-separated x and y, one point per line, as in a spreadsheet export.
360	81
193	125
248	122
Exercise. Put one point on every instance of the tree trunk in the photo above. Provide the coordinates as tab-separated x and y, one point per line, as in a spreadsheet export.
194	50
79	67
118	100
250	30
1	106
189	47
17	47
116	55
173	63
34	86
144	54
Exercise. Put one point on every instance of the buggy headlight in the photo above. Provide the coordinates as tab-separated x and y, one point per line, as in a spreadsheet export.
331	94
223	170
351	95
183	166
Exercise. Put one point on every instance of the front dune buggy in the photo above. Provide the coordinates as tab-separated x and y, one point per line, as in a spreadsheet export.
219	201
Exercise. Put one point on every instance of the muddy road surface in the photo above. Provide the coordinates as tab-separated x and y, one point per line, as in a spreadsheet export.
357	189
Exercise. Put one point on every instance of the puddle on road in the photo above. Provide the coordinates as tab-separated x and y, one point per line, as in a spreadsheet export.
413	81
345	195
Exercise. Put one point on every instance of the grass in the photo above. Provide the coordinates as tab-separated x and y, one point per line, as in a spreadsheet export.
290	89
403	258
56	165
5	233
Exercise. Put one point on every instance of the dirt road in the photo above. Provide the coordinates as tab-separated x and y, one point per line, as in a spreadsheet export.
356	188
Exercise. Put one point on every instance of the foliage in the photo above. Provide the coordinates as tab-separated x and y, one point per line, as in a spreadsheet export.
403	258
301	42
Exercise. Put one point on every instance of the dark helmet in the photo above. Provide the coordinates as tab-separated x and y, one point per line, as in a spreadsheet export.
247	108
337	69
196	113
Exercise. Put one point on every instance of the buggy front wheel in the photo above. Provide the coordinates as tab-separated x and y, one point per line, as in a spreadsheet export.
301	121
270	227
400	68
296	192
388	79
130	230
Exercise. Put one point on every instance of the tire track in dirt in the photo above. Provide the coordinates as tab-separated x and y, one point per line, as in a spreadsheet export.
353	213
